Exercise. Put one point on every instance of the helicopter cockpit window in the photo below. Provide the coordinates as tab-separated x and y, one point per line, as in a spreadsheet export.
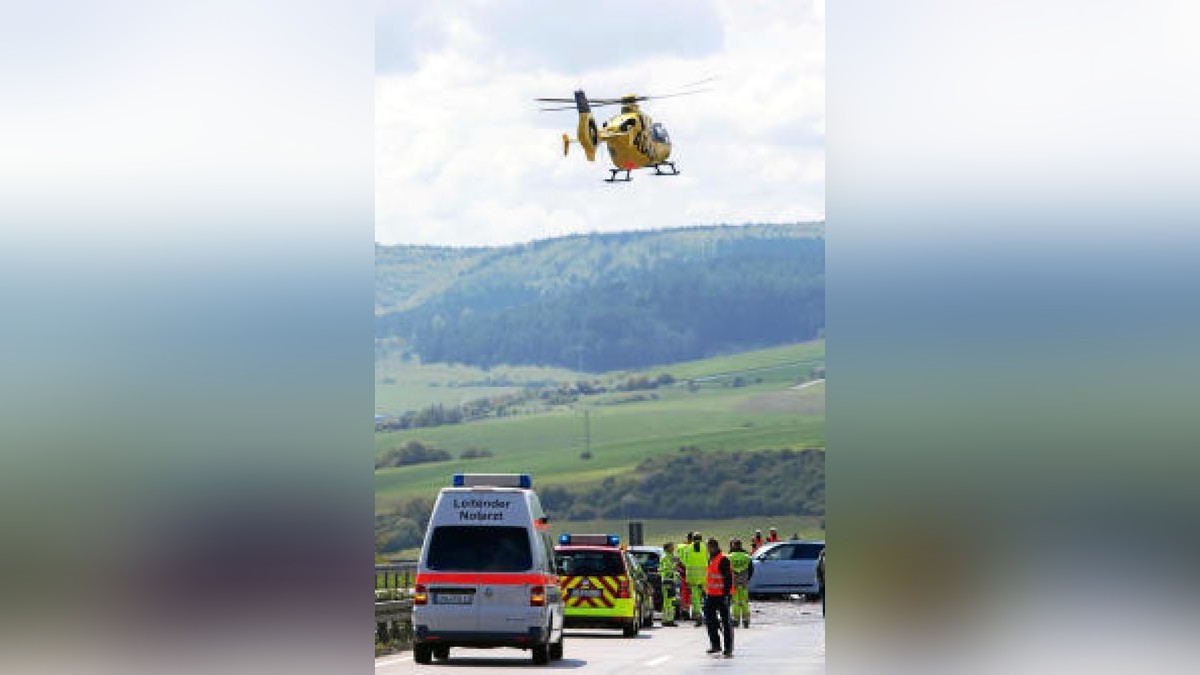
628	124
659	133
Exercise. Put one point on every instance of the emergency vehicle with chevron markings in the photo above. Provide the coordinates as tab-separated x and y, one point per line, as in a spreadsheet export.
599	586
486	576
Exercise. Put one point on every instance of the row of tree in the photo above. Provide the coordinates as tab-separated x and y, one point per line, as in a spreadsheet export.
438	414
696	484
416	452
690	484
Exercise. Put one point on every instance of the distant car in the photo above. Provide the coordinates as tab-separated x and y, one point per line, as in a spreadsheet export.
648	557
786	567
645	590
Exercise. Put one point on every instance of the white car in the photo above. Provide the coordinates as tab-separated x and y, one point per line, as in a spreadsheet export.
785	567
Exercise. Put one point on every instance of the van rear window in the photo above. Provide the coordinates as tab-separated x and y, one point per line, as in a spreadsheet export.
590	563
471	548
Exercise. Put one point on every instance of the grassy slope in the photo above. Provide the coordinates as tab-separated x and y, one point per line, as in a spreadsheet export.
768	414
401	386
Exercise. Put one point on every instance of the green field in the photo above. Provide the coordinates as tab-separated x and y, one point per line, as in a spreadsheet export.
713	416
402	385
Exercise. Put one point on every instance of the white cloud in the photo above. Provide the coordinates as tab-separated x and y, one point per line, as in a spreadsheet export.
463	157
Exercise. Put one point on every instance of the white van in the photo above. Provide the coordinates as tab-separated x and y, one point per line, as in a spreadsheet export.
486	577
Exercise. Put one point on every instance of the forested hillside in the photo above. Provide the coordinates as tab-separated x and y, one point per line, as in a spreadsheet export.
606	301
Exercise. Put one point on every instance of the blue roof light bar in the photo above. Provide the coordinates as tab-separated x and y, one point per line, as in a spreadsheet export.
517	480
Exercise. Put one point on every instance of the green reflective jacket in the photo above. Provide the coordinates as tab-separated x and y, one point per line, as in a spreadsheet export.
666	566
742	567
696	563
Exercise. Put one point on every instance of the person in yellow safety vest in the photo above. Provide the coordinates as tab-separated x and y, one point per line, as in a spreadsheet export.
695	562
718	587
743	569
670	572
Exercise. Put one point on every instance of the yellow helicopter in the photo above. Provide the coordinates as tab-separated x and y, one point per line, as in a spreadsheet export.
634	140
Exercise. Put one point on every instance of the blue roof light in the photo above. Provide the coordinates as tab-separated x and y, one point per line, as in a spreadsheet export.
510	480
589	539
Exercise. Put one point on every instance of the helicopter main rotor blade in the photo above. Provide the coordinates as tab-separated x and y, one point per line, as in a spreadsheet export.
704	81
571	107
681	93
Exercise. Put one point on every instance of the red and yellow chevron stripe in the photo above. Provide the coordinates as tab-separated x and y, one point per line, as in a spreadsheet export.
596	592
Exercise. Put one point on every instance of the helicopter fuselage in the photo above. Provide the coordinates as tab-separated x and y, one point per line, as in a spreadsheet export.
634	141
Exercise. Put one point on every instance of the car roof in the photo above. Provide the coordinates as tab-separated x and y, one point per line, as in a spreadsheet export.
774	544
586	547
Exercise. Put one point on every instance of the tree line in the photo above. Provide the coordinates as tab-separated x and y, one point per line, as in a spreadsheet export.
416	452
696	484
689	484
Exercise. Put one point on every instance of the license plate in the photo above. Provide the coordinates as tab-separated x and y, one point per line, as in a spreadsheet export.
452	598
586	592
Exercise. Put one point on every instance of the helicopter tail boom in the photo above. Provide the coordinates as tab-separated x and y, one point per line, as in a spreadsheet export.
586	131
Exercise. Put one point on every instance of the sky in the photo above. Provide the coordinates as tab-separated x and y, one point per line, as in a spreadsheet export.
463	157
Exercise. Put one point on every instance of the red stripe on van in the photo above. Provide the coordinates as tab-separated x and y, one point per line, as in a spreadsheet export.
494	578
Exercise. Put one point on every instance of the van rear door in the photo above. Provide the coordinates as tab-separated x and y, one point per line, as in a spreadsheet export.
471	582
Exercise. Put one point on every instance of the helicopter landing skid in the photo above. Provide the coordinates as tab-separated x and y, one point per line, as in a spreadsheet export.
659	172
613	178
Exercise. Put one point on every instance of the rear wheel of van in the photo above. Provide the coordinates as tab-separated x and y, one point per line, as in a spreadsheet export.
541	655
422	653
441	652
631	630
556	650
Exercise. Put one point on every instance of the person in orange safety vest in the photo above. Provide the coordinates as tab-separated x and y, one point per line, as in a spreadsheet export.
718	589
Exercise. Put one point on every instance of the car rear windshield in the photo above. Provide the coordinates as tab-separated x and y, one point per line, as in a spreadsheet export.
471	548
807	551
590	563
647	559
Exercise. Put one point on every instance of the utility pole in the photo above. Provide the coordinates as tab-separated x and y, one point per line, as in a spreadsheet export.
587	431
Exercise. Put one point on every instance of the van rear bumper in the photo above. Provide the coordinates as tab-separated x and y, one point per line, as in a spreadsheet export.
536	635
595	621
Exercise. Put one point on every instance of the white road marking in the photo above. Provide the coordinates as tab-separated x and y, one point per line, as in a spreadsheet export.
658	662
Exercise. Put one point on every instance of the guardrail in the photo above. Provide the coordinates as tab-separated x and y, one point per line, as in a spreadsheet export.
395	575
393	602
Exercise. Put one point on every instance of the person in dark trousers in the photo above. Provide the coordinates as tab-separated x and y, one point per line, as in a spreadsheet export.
821	578
718	588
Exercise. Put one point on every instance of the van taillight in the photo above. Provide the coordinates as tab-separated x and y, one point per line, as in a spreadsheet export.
421	596
623	588
537	596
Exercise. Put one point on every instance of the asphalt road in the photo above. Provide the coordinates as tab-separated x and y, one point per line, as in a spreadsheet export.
784	637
